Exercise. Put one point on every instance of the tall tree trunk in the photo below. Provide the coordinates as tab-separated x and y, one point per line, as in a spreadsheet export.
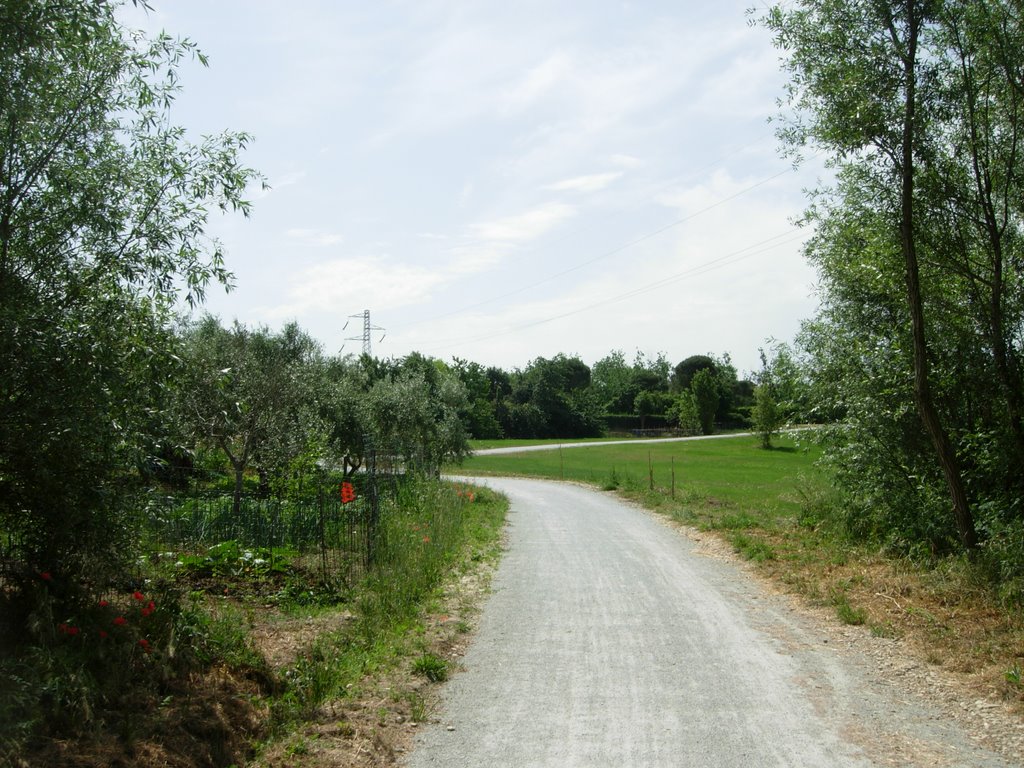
922	389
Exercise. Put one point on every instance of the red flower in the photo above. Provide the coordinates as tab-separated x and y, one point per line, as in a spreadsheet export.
149	608
144	644
62	628
104	603
72	631
103	634
46	576
348	493
120	621
426	539
138	595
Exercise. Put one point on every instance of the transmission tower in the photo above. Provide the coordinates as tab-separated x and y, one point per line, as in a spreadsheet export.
367	329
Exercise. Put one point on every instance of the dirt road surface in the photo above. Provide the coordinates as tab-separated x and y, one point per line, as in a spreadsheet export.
611	640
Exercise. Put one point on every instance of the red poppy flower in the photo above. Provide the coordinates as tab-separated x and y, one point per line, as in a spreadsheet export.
426	539
104	603
103	634
120	621
138	595
72	631
46	576
144	644
62	628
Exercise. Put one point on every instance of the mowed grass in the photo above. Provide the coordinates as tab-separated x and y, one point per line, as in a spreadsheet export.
706	479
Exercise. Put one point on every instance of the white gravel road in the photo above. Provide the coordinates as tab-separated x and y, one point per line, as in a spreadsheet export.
609	641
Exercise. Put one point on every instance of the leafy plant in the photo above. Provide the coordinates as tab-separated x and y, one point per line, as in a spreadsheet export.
432	667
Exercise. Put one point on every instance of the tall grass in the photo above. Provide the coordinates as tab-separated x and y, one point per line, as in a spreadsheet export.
428	531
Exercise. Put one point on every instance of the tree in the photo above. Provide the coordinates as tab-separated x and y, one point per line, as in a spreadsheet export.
249	393
479	416
863	89
767	413
552	398
684	413
415	413
103	205
705	387
683	373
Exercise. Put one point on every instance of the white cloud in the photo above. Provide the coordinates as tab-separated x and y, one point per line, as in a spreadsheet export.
372	281
314	237
524	226
627	161
593	183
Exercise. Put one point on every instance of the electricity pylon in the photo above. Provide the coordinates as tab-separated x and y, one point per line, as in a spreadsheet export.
367	328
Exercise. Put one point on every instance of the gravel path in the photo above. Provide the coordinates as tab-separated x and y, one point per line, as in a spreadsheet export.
610	641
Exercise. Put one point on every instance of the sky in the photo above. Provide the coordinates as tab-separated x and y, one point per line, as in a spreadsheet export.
499	181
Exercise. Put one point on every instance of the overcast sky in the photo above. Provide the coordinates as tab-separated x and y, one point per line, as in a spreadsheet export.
500	181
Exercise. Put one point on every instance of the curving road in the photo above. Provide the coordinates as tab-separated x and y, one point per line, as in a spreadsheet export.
609	641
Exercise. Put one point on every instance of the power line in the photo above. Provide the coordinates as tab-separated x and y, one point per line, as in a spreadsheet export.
622	247
791	235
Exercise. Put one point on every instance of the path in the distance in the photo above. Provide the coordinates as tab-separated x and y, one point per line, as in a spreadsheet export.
608	641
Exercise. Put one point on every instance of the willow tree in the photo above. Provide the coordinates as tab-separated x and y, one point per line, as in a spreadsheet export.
917	105
103	204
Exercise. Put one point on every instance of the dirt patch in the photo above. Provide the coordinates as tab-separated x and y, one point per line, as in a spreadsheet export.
282	640
203	721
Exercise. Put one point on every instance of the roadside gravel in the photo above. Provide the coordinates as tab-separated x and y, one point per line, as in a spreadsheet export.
611	639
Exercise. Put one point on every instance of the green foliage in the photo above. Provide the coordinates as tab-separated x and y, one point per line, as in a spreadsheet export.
766	415
101	221
846	612
752	547
428	530
915	353
229	559
432	667
706	392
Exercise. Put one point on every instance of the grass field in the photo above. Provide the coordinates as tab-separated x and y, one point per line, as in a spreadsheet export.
710	477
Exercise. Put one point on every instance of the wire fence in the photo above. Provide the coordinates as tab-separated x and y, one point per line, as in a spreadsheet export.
332	532
328	533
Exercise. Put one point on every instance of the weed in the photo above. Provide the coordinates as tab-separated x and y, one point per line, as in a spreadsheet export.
613	482
1014	676
417	707
884	630
846	612
752	548
432	667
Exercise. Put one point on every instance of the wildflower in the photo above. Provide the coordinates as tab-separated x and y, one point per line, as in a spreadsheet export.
120	621
62	628
138	596
144	644
103	634
72	631
46	576
426	539
104	603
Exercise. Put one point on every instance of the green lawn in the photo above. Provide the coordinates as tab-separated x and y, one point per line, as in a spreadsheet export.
728	476
477	445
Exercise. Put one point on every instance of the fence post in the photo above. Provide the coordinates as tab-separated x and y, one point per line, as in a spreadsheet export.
323	536
373	518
